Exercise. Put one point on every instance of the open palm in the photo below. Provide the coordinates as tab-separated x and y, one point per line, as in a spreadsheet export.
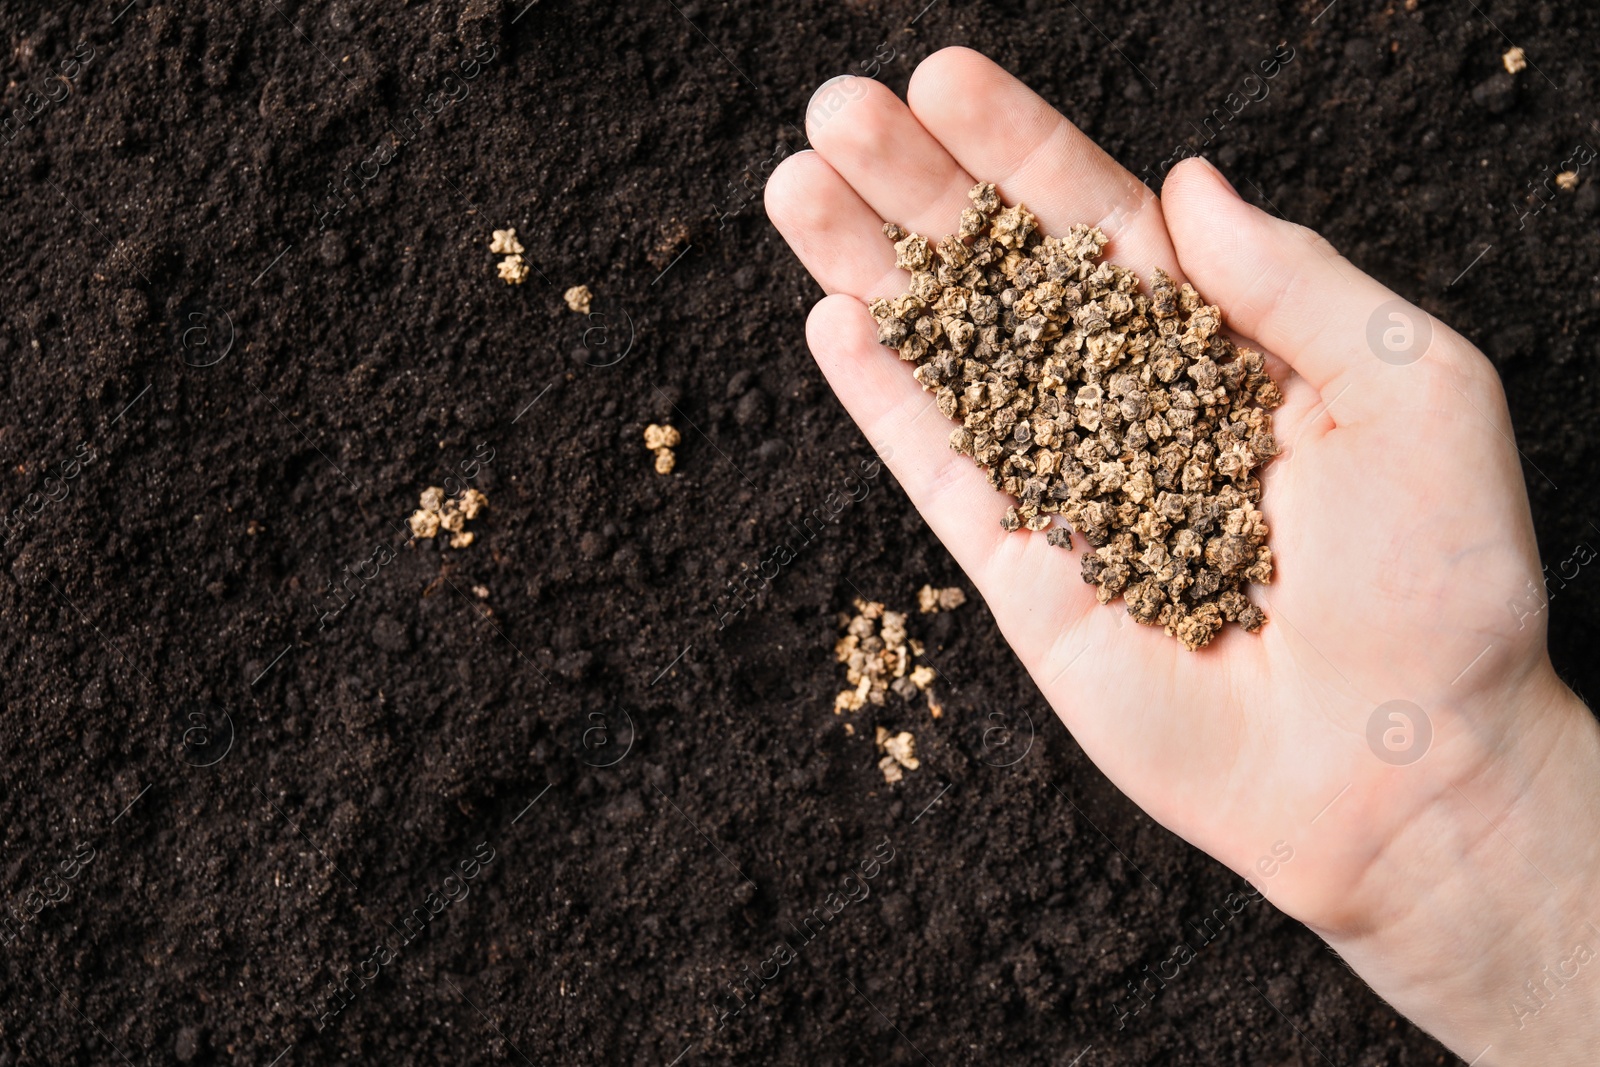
1398	514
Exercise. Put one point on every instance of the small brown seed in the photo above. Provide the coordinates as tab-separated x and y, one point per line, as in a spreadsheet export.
578	298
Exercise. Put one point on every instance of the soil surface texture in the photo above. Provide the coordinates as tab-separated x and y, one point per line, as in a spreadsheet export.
279	785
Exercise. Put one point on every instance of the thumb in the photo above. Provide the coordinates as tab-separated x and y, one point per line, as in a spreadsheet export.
1285	287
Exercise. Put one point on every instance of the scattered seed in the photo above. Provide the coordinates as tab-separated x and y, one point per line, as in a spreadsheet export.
931	600
424	523
660	436
513	271
660	439
878	657
1514	60
505	243
440	512
900	750
1567	181
578	298
1126	416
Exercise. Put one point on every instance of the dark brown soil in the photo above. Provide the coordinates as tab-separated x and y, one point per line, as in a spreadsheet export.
224	802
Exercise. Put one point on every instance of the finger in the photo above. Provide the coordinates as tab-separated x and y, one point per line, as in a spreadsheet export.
869	136
904	423
836	235
1287	288
999	130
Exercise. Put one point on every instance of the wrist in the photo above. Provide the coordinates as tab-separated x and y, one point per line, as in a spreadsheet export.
1480	919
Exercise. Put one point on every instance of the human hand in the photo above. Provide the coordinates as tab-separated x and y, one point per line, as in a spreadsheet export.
1399	525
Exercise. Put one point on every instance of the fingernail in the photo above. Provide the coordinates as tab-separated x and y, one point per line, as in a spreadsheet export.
1212	167
831	97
